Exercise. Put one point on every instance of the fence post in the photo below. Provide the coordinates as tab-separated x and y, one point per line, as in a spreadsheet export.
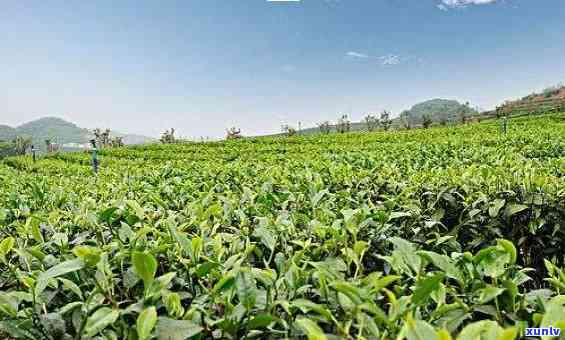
94	156
504	125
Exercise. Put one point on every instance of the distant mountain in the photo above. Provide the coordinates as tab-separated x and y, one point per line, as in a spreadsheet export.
439	110
7	133
133	139
55	129
60	131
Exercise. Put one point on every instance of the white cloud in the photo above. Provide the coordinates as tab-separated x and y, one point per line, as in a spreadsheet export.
390	59
356	55
385	60
447	4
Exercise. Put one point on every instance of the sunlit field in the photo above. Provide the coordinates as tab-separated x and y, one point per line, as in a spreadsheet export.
420	234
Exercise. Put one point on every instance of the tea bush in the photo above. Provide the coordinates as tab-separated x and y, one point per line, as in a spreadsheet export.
451	232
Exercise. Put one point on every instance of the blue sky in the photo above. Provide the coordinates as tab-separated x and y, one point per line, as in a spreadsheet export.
204	65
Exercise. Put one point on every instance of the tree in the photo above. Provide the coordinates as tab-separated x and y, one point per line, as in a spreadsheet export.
463	117
288	130
386	122
168	137
50	146
343	124
427	121
21	144
325	127
372	122
117	142
405	120
102	137
233	133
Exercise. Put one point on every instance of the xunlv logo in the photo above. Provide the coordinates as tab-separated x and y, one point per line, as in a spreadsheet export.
543	331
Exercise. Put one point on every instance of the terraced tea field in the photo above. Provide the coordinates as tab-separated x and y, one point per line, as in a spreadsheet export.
453	232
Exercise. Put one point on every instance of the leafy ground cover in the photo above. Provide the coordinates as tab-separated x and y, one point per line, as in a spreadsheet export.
454	232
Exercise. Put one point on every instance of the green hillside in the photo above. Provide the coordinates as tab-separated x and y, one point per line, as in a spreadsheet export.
439	110
59	131
444	233
7	133
55	129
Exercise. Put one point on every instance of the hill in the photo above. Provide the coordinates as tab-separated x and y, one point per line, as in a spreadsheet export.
55	129
552	92
439	110
7	133
60	131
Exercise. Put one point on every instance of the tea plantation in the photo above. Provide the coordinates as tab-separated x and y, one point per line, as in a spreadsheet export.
444	233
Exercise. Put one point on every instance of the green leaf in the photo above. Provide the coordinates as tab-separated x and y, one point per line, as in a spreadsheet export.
310	329
480	330
225	283
508	334
398	214
56	271
306	306
425	287
5	246
145	267
554	312
348	290
70	285
509	248
443	262
145	323
318	197
513	209
443	334
495	207
267	237
261	321
492	261
488	294
246	289
169	329
383	282
419	330
17	329
90	255
36	232
99	320
8	304
53	324
204	269
404	258
107	215
173	304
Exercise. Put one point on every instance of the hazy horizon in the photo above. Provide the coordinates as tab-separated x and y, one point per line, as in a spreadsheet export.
200	67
